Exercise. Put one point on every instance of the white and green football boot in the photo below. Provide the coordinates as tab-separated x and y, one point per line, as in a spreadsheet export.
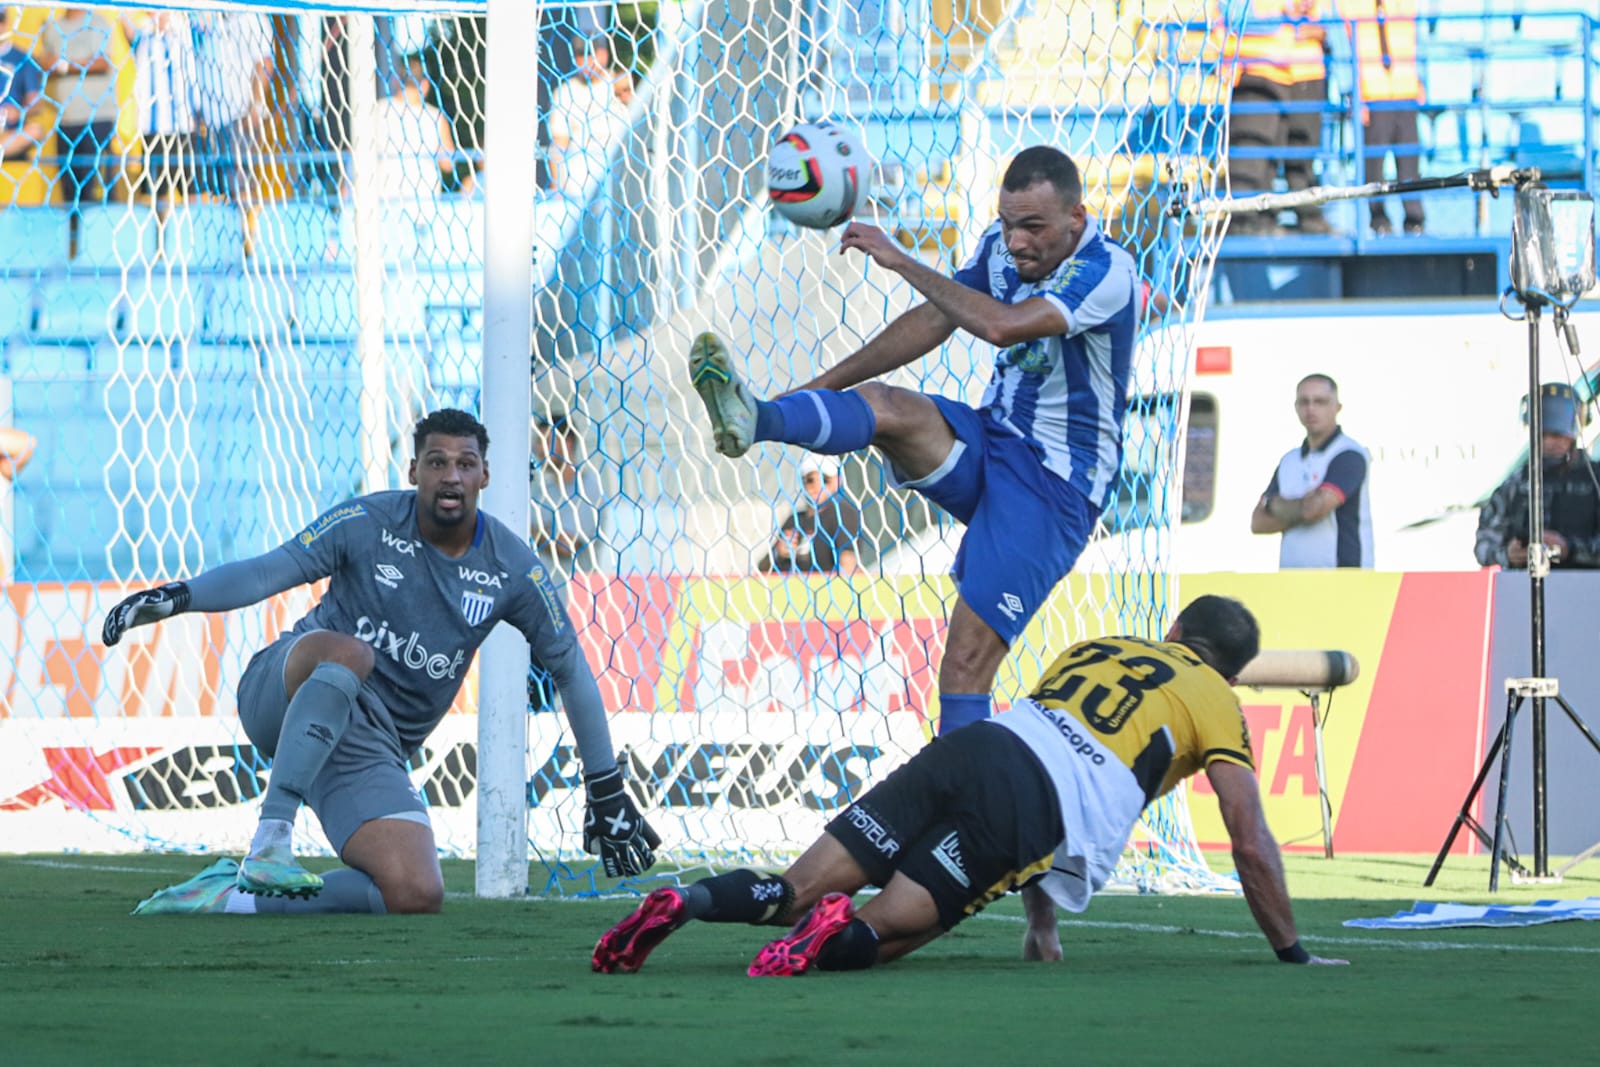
274	872
727	401
204	894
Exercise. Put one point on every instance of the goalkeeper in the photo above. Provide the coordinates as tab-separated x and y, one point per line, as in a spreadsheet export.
417	579
1045	795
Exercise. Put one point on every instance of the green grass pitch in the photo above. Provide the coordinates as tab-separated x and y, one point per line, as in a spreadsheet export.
1147	980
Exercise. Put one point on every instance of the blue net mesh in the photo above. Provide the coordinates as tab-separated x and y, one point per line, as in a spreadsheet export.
234	277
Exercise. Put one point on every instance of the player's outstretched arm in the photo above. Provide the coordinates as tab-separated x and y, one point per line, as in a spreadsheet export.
909	337
224	588
1256	858
143	608
995	321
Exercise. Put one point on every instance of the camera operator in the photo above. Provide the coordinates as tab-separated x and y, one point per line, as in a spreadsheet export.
1571	496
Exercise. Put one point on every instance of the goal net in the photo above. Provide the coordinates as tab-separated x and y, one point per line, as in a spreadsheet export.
245	251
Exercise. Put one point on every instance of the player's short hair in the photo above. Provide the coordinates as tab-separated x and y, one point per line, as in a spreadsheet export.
1221	631
1318	376
449	422
1041	163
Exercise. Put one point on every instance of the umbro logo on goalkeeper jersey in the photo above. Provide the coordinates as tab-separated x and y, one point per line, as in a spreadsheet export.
387	574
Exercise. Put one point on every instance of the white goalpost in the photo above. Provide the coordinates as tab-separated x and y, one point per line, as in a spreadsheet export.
355	212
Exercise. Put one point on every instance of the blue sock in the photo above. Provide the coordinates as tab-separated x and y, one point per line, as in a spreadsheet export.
958	709
822	420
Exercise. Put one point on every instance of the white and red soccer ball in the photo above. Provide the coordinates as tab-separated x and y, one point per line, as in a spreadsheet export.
818	175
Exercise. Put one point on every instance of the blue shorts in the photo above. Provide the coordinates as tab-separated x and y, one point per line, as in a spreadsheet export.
1026	526
365	777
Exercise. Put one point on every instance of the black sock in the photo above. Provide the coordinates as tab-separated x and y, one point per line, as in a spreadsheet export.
855	948
742	896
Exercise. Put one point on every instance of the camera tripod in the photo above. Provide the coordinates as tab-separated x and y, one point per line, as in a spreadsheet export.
1538	688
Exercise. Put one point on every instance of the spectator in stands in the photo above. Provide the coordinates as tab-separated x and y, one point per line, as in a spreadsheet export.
163	93
1279	68
565	496
416	148
22	128
821	537
322	73
234	64
76	47
588	113
16	449
1384	33
1571	496
1317	498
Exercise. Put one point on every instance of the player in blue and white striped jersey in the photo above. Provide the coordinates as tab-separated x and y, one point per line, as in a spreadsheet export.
1027	471
341	702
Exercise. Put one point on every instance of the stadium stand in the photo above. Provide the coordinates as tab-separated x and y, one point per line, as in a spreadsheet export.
212	288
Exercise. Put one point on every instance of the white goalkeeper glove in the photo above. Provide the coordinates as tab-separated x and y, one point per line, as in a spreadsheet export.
613	829
143	608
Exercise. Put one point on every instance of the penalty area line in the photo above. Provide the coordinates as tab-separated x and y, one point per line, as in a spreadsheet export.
65	865
1359	942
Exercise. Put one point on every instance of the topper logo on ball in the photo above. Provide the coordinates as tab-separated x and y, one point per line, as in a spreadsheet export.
818	175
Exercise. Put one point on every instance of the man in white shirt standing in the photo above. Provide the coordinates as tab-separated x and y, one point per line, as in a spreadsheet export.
587	114
1318	496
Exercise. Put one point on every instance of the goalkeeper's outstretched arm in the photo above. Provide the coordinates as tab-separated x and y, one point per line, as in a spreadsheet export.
1257	860
224	588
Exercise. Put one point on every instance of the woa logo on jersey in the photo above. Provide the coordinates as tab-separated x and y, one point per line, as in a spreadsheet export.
408	649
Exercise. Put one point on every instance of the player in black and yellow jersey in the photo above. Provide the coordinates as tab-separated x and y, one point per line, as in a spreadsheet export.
1041	798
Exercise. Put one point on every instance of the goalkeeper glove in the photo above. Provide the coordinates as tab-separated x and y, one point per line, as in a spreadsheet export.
140	609
613	829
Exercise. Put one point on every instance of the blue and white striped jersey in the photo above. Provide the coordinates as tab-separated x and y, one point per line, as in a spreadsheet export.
164	74
1067	393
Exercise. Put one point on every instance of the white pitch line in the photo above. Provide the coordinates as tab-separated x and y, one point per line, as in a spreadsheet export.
1379	942
62	865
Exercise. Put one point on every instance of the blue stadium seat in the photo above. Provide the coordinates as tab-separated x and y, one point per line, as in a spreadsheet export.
400	225
326	307
298	236
205	237
80	309
16	307
405	314
162	305
455	364
452	234
451	286
34	239
249	309
45	364
115	237
214	366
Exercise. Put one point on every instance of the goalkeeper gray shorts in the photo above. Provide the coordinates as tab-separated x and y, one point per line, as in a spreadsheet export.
365	777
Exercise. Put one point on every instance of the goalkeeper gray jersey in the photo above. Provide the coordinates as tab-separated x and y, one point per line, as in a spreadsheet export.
424	613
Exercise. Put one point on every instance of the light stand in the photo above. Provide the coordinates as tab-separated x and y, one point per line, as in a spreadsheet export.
1551	265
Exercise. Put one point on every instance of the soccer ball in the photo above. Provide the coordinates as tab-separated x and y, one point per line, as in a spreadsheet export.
818	174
